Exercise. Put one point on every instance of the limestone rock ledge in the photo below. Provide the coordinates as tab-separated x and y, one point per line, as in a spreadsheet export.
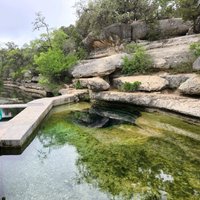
94	84
148	83
179	104
98	67
191	86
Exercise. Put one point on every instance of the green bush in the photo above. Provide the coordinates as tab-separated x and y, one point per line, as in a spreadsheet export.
53	63
195	48
130	87
131	48
78	85
139	62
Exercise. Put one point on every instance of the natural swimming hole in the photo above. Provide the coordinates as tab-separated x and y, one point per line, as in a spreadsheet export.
106	151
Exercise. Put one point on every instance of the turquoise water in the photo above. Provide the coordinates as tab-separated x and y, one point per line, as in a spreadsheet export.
106	152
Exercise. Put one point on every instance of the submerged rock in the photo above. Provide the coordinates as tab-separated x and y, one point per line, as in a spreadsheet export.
89	120
102	115
148	83
191	86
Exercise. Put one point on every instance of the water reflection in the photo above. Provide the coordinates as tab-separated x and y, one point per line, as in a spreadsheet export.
77	161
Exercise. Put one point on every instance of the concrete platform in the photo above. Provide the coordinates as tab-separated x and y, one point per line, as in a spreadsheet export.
15	132
8	106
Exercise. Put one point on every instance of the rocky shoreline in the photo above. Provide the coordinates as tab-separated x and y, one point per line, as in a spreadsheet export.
31	88
164	89
179	104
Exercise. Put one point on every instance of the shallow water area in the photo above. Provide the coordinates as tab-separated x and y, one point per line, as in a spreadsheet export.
106	151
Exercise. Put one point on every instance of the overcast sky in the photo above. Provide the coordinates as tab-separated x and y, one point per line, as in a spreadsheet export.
16	17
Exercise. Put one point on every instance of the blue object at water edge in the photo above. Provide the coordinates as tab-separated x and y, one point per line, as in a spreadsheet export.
1	114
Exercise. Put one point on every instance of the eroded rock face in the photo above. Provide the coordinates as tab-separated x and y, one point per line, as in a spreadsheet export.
148	83
173	27
98	67
94	84
196	64
176	80
180	104
170	57
139	30
120	32
191	86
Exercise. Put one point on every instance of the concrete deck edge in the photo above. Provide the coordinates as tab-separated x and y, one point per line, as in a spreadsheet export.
15	132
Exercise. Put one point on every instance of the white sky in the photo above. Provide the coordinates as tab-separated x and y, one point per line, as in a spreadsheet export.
16	17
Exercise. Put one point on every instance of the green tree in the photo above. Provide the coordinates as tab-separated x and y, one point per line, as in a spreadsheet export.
53	64
97	14
190	10
40	23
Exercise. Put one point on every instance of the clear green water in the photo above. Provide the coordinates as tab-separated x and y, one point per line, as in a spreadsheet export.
157	158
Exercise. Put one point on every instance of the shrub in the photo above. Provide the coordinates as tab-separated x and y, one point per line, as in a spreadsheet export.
130	87
195	48
53	63
78	85
185	67
138	62
131	48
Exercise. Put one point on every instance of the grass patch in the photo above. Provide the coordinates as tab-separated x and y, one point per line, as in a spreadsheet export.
130	87
183	68
195	49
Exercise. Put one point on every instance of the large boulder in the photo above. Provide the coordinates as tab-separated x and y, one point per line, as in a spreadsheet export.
175	80
196	64
139	30
117	33
148	83
173	27
94	84
191	86
98	67
110	35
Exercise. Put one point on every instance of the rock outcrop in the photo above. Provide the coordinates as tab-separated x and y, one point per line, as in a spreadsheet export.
148	83
173	27
98	67
196	64
172	52
191	86
175	80
169	53
94	84
179	104
32	88
120	32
